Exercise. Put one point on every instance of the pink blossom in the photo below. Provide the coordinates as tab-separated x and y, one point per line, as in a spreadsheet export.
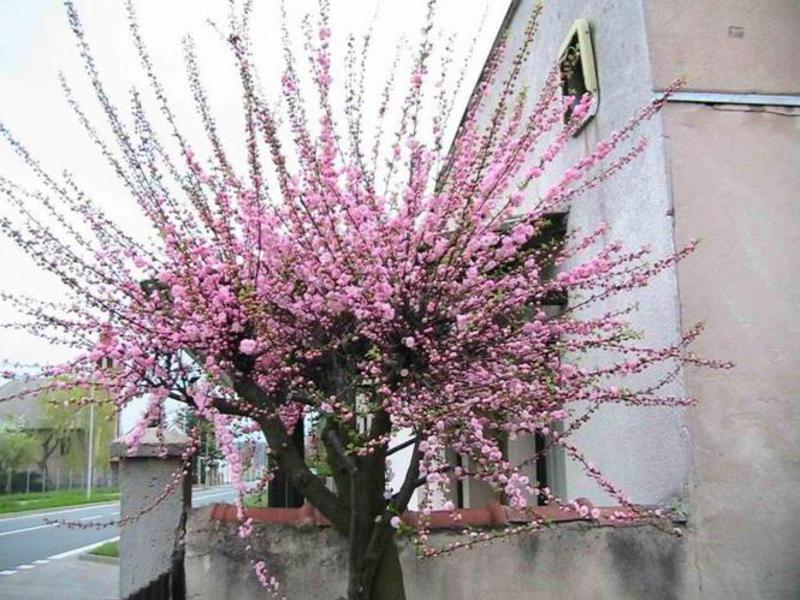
248	346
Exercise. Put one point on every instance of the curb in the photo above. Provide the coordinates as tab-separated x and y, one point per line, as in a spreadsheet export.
106	560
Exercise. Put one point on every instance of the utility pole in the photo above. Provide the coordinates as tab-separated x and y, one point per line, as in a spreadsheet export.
103	363
206	462
90	452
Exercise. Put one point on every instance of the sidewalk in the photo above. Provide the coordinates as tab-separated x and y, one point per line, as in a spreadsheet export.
67	579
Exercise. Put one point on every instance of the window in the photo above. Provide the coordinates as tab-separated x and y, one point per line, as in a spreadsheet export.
548	467
541	464
577	64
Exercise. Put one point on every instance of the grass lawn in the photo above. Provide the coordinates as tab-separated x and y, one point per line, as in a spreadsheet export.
109	549
257	500
37	500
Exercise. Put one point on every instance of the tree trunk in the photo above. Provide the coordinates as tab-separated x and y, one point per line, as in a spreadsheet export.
358	509
388	584
49	445
44	471
383	581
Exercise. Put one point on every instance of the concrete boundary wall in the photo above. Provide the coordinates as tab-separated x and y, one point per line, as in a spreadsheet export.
569	560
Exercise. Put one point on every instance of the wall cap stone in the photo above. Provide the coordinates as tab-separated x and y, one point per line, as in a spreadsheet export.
172	444
492	515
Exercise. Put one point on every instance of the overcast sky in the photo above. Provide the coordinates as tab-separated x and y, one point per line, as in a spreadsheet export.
35	44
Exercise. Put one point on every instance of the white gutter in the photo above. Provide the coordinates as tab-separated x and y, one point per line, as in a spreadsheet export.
748	99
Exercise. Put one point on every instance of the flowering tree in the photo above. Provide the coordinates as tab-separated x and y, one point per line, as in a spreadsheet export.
376	283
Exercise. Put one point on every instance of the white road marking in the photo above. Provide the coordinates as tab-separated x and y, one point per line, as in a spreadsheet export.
27	529
41	562
9	572
34	514
25	567
90	517
58	512
82	549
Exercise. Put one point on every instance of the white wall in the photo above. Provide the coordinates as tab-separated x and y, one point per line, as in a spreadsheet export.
644	451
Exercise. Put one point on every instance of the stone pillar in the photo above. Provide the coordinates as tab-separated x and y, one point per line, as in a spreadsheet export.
152	546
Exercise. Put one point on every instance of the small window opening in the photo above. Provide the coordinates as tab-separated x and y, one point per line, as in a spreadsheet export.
578	72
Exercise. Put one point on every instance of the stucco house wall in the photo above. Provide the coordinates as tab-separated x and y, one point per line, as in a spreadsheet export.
737	46
735	176
627	444
728	173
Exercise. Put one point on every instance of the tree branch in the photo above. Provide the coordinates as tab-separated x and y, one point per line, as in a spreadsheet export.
403	496
291	462
403	446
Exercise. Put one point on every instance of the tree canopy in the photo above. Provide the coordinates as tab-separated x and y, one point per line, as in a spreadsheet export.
381	281
17	447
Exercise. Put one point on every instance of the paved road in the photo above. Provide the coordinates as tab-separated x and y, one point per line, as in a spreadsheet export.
26	541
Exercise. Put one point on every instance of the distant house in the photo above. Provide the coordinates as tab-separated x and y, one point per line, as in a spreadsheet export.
24	408
62	434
